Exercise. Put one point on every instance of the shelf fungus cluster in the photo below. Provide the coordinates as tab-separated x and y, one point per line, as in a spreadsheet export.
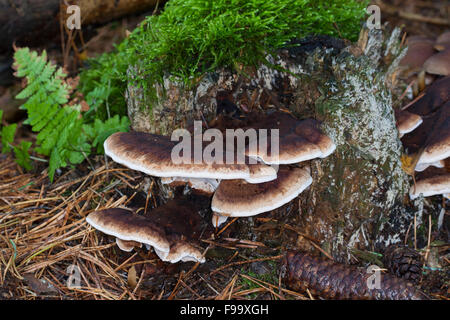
298	141
425	60
424	127
268	177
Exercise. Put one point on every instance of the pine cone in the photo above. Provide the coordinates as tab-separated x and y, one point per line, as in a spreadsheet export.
330	280
403	262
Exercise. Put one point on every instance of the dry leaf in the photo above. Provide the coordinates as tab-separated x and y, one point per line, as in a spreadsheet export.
132	277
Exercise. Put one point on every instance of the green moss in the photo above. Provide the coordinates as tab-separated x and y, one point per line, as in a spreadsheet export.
191	37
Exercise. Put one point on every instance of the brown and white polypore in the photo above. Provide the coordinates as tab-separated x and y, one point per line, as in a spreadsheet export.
204	186
127	246
437	145
237	198
430	182
152	154
419	50
125	225
218	219
406	121
299	140
170	229
439	63
181	251
431	140
423	166
182	225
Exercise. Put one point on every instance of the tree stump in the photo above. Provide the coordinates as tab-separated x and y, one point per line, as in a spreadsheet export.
358	196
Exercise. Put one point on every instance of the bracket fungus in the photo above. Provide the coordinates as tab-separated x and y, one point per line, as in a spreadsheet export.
126	226
299	140
433	97
443	41
431	182
152	154
431	140
240	189
439	64
171	229
407	122
419	50
426	58
127	246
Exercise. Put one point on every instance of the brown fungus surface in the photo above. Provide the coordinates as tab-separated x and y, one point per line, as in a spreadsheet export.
152	154
299	140
432	138
127	246
437	146
419	50
439	63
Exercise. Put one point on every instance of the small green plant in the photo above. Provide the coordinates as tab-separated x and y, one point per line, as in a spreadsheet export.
7	134
63	133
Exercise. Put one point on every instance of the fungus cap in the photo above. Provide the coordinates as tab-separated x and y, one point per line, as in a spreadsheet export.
443	41
152	154
218	219
433	98
182	251
236	198
299	140
432	181
171	229
127	246
437	145
443	37
125	225
407	121
423	166
418	52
